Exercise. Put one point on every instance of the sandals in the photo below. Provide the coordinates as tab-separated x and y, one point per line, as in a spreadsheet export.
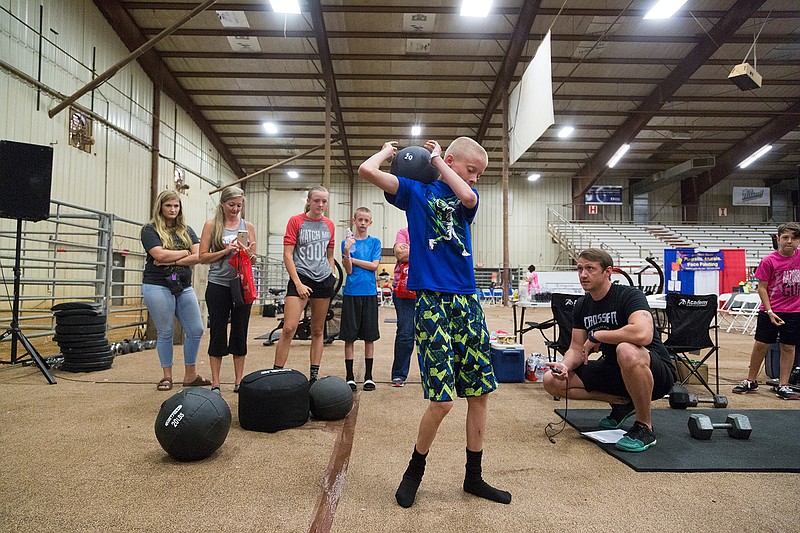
199	381
165	384
369	385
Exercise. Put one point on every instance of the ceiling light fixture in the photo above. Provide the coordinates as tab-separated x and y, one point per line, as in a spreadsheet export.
285	6
755	155
618	155
534	177
416	130
565	132
293	174
270	127
475	8
664	9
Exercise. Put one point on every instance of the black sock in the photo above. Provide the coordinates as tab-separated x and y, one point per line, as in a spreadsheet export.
277	367
412	477
368	368
474	483
348	367
314	372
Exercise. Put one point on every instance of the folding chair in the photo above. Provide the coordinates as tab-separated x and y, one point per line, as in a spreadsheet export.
497	294
562	306
486	296
692	318
743	310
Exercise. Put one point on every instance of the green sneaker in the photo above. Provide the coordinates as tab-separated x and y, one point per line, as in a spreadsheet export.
619	413
637	439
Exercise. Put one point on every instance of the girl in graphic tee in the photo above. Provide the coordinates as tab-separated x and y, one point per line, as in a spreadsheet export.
308	255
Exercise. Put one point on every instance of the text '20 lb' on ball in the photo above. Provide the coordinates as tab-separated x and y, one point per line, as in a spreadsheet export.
193	424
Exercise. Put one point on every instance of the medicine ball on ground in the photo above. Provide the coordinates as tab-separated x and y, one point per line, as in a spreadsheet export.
192	424
330	398
414	162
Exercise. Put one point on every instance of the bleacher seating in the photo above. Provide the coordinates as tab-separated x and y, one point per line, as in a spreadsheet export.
629	244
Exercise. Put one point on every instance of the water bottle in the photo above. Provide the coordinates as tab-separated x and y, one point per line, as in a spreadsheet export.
349	235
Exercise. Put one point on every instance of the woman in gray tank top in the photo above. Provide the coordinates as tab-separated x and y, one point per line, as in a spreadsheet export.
222	236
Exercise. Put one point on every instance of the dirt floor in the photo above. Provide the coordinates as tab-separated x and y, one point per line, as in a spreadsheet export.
81	455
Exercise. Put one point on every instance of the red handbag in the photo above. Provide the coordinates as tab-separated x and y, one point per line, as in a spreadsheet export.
244	267
401	290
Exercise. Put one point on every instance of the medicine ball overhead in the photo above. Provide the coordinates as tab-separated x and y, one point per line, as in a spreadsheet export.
192	424
414	162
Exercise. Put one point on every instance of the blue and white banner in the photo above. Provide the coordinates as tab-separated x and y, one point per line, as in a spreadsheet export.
699	261
604	194
751	196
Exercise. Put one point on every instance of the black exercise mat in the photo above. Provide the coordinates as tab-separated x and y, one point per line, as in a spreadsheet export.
772	447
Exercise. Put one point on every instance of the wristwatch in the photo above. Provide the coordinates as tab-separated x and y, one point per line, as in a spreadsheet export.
770	312
592	337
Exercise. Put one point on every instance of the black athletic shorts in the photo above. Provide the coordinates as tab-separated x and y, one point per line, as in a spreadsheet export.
603	375
767	332
359	319
319	289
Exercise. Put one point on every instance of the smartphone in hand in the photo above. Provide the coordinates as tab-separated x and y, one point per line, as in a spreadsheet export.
243	237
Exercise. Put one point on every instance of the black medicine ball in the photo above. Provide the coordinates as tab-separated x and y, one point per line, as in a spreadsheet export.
414	162
192	424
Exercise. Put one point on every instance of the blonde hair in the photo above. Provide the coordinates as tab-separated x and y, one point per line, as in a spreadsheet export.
364	210
166	232
219	218
312	190
464	147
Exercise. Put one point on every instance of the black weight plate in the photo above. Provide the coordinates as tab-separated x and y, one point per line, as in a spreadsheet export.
90	337
85	368
80	330
80	320
75	305
100	351
77	312
87	361
82	344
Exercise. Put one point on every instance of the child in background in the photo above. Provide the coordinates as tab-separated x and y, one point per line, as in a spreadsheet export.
361	255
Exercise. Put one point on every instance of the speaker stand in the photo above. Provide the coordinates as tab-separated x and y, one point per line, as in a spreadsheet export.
14	330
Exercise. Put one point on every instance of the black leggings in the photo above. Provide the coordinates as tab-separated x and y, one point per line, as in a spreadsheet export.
220	308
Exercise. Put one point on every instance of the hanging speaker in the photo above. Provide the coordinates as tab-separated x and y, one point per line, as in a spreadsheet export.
26	173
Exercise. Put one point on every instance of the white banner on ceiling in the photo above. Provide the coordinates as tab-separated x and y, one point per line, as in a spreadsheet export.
751	196
530	105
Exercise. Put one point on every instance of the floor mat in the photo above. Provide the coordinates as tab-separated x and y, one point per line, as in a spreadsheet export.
772	447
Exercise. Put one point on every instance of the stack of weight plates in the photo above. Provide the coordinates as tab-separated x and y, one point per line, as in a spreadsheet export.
81	335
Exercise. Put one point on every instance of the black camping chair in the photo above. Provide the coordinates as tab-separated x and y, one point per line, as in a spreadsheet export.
558	342
692	319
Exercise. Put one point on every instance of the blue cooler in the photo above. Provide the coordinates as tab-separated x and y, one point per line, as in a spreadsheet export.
508	361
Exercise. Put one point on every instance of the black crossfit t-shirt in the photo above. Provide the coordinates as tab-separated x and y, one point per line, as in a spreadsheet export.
612	313
157	275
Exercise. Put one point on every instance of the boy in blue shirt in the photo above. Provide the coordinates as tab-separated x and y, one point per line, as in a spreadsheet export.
361	255
450	328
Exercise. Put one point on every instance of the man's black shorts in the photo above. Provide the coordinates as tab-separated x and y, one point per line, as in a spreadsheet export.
603	375
319	289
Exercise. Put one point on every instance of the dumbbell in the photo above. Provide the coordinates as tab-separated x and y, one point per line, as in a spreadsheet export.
681	398
701	428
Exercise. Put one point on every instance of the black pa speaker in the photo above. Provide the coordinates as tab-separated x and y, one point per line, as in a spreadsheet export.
26	173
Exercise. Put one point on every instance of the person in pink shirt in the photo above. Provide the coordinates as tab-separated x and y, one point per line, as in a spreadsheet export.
779	288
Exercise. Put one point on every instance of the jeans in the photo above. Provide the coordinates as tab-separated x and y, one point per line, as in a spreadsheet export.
404	339
163	308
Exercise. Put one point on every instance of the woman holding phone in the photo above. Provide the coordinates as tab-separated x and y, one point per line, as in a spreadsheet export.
223	236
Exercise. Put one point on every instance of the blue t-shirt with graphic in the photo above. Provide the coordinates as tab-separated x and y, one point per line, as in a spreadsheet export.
441	244
361	282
